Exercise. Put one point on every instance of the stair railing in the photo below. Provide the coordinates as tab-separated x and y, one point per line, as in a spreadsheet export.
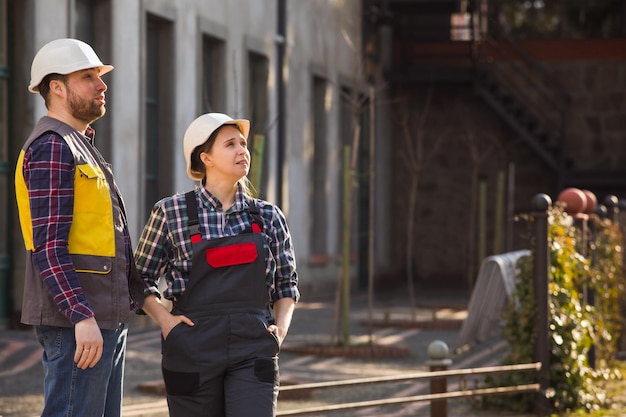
542	102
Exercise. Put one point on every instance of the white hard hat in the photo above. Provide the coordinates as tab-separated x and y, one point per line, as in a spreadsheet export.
200	129
63	56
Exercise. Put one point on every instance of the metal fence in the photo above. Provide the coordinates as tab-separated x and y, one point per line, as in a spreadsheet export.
438	395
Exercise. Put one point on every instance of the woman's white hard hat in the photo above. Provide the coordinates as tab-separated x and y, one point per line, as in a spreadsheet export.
63	56
201	129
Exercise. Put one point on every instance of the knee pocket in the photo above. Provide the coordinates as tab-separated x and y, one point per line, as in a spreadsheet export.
181	383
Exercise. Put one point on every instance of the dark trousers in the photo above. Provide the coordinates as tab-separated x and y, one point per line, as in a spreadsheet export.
224	366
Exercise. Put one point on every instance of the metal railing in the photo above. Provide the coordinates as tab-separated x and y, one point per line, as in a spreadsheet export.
532	96
438	388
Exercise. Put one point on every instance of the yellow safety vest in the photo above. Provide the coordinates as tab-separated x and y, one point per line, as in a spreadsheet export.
92	231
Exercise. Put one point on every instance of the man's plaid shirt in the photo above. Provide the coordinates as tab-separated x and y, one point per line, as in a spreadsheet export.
165	248
49	174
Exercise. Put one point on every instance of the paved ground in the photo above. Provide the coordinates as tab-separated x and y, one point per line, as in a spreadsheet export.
313	324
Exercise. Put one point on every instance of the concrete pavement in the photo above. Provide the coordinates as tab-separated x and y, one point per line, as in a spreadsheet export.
313	324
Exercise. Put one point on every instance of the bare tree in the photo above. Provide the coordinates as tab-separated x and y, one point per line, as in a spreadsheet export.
419	150
481	147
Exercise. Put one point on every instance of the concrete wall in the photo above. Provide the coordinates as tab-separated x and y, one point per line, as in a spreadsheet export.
476	142
323	40
597	124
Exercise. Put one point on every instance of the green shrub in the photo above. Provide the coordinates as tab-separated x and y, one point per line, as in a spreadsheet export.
583	265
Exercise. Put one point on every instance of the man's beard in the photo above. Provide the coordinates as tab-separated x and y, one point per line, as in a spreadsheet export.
87	111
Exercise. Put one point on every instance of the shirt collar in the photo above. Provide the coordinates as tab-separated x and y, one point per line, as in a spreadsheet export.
210	201
90	133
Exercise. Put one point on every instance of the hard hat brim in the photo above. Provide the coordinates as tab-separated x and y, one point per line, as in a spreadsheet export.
34	84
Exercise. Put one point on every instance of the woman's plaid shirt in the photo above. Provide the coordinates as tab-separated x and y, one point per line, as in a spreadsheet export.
164	248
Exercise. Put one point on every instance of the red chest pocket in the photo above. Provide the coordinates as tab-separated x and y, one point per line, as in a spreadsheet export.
237	254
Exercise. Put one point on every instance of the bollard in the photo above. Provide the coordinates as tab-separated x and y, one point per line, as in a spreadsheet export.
438	353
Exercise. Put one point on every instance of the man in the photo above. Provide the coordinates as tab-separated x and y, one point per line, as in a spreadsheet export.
77	290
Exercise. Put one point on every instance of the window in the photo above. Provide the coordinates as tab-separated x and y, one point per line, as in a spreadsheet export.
91	24
258	73
6	167
5	163
83	20
319	169
159	96
212	99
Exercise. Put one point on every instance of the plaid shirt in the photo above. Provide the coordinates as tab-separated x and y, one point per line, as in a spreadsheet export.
165	247
49	175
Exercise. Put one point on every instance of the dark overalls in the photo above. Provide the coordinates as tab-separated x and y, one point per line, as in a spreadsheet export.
227	364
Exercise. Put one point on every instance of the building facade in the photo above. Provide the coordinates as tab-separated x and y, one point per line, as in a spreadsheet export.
404	137
493	102
293	68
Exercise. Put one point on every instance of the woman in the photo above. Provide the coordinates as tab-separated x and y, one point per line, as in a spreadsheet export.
230	271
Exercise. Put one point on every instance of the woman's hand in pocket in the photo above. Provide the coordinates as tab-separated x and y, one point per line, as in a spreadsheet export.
173	321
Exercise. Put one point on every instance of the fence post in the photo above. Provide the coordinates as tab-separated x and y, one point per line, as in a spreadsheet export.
540	205
580	211
612	207
438	353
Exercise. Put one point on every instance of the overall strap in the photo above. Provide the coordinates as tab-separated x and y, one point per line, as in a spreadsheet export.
257	227
255	213
192	215
194	223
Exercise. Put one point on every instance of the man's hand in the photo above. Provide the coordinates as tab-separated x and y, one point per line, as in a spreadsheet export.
88	343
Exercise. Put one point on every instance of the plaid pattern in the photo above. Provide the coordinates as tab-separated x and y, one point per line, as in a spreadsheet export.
49	175
165	248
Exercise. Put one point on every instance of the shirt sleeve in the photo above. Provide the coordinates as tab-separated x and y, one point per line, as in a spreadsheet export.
49	174
150	253
286	277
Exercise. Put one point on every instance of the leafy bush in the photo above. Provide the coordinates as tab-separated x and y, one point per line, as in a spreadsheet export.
585	288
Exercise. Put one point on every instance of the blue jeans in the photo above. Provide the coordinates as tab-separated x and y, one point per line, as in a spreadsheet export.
73	392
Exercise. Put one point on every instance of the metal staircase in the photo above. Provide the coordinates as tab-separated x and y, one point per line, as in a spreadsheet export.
537	107
527	98
432	42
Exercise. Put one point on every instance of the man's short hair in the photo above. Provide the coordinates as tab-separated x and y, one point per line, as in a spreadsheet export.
44	86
